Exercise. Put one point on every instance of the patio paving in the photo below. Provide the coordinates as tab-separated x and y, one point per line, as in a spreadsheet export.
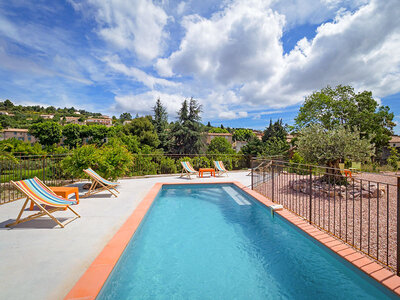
40	260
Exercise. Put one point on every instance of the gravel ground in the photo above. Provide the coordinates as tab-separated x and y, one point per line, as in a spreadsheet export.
368	223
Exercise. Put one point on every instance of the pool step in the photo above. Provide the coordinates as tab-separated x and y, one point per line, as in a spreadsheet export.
238	198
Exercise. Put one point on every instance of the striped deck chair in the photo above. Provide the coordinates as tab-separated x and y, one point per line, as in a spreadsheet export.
219	166
187	169
99	184
45	199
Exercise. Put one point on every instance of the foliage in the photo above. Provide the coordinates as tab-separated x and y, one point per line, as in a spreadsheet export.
331	107
15	146
275	130
125	116
161	123
111	161
275	146
95	134
218	130
72	135
48	133
393	159
143	128
185	134
328	147
254	147
243	135
297	164
220	145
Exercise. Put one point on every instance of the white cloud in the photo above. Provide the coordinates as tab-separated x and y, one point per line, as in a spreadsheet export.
135	25
138	75
238	51
143	103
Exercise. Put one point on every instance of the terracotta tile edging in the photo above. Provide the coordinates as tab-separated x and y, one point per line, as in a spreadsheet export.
360	261
92	281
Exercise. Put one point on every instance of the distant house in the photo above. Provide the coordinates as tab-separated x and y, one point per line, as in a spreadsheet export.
211	135
126	122
47	116
103	120
73	120
238	145
259	134
19	134
6	113
394	142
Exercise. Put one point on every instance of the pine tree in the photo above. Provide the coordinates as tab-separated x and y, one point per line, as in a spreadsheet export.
185	135
161	123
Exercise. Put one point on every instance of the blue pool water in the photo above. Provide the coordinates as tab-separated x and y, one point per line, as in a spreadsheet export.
216	242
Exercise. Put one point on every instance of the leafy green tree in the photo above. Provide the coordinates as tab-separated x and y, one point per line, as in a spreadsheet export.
243	135
218	130
328	147
254	147
342	106
393	159
220	145
96	134
72	135
125	116
161	123
48	133
275	130
276	147
185	134
143	128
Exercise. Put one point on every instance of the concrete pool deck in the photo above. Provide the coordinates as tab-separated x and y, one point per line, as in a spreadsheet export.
40	260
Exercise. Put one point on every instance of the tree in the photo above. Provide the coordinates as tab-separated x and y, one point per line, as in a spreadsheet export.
243	135
143	128
220	145
254	147
218	130
72	135
161	123
275	130
393	159
125	116
328	147
48	133
95	134
276	146
185	135
342	106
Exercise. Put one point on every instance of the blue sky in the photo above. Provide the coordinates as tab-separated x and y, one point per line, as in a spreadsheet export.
246	61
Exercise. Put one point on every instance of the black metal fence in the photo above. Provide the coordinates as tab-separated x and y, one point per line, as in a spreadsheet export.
361	209
47	168
50	170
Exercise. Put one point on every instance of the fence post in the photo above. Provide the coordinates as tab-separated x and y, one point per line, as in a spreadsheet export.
273	181
398	227
311	191
252	178
44	169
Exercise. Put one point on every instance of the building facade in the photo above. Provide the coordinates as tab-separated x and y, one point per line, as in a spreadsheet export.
19	134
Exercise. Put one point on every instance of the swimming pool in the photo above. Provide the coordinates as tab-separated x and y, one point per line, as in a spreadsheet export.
216	242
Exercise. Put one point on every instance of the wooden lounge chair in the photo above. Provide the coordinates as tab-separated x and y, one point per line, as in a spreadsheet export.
219	166
187	169
99	184
45	199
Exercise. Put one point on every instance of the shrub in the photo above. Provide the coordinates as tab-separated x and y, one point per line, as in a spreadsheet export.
110	161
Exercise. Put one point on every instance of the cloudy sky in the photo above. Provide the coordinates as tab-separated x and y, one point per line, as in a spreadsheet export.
246	61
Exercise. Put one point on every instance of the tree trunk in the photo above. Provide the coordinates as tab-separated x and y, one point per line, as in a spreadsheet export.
333	174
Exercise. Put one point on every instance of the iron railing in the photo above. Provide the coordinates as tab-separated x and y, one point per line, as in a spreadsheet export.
47	168
360	209
50	170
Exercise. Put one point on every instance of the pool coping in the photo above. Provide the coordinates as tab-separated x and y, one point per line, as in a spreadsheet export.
92	281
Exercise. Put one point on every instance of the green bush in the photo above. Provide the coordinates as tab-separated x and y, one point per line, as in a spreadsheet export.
110	161
201	162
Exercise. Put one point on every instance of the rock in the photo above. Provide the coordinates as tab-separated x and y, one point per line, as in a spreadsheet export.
86	186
